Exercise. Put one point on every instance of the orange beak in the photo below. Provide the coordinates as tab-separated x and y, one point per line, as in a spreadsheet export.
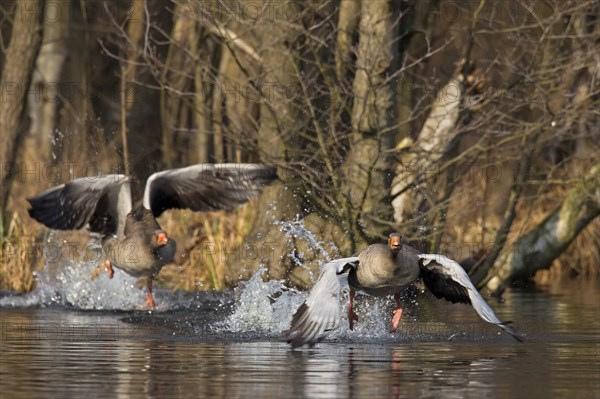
162	239
395	242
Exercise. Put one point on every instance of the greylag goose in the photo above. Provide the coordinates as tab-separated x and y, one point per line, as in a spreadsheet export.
382	270
133	241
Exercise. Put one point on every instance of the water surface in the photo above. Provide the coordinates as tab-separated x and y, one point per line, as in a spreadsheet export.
230	345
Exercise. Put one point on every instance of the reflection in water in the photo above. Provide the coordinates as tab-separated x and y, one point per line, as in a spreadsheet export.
55	352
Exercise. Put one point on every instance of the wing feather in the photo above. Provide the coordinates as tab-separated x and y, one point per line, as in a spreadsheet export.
206	187
101	203
447	279
320	312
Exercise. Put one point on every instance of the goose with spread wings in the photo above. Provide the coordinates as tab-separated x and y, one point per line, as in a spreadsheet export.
133	241
382	270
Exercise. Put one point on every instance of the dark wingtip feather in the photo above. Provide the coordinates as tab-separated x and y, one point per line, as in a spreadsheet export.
519	338
510	331
44	209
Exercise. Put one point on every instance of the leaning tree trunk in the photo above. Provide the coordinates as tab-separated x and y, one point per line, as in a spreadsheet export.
373	123
414	188
17	71
537	249
428	148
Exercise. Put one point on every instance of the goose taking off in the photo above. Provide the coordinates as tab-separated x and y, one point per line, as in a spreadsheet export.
133	241
382	270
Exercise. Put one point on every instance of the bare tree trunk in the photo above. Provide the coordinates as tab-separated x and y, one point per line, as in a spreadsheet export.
143	100
276	141
217	107
373	118
420	21
17	71
538	248
201	144
175	81
348	21
429	147
135	28
418	184
240	110
46	77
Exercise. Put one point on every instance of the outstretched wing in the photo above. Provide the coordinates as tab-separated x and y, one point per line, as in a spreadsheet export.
320	312
206	187
100	202
447	279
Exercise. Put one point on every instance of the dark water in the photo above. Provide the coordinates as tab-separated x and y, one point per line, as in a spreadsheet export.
199	350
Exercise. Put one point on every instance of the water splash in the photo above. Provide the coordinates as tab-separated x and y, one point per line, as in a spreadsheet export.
267	307
69	282
264	307
297	229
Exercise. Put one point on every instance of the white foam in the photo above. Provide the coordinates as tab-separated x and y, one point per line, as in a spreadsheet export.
264	307
70	283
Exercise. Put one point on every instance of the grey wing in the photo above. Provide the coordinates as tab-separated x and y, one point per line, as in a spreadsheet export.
320	312
447	279
101	203
206	187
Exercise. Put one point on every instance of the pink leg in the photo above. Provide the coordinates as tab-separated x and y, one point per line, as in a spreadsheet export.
397	314
109	268
150	299
352	317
